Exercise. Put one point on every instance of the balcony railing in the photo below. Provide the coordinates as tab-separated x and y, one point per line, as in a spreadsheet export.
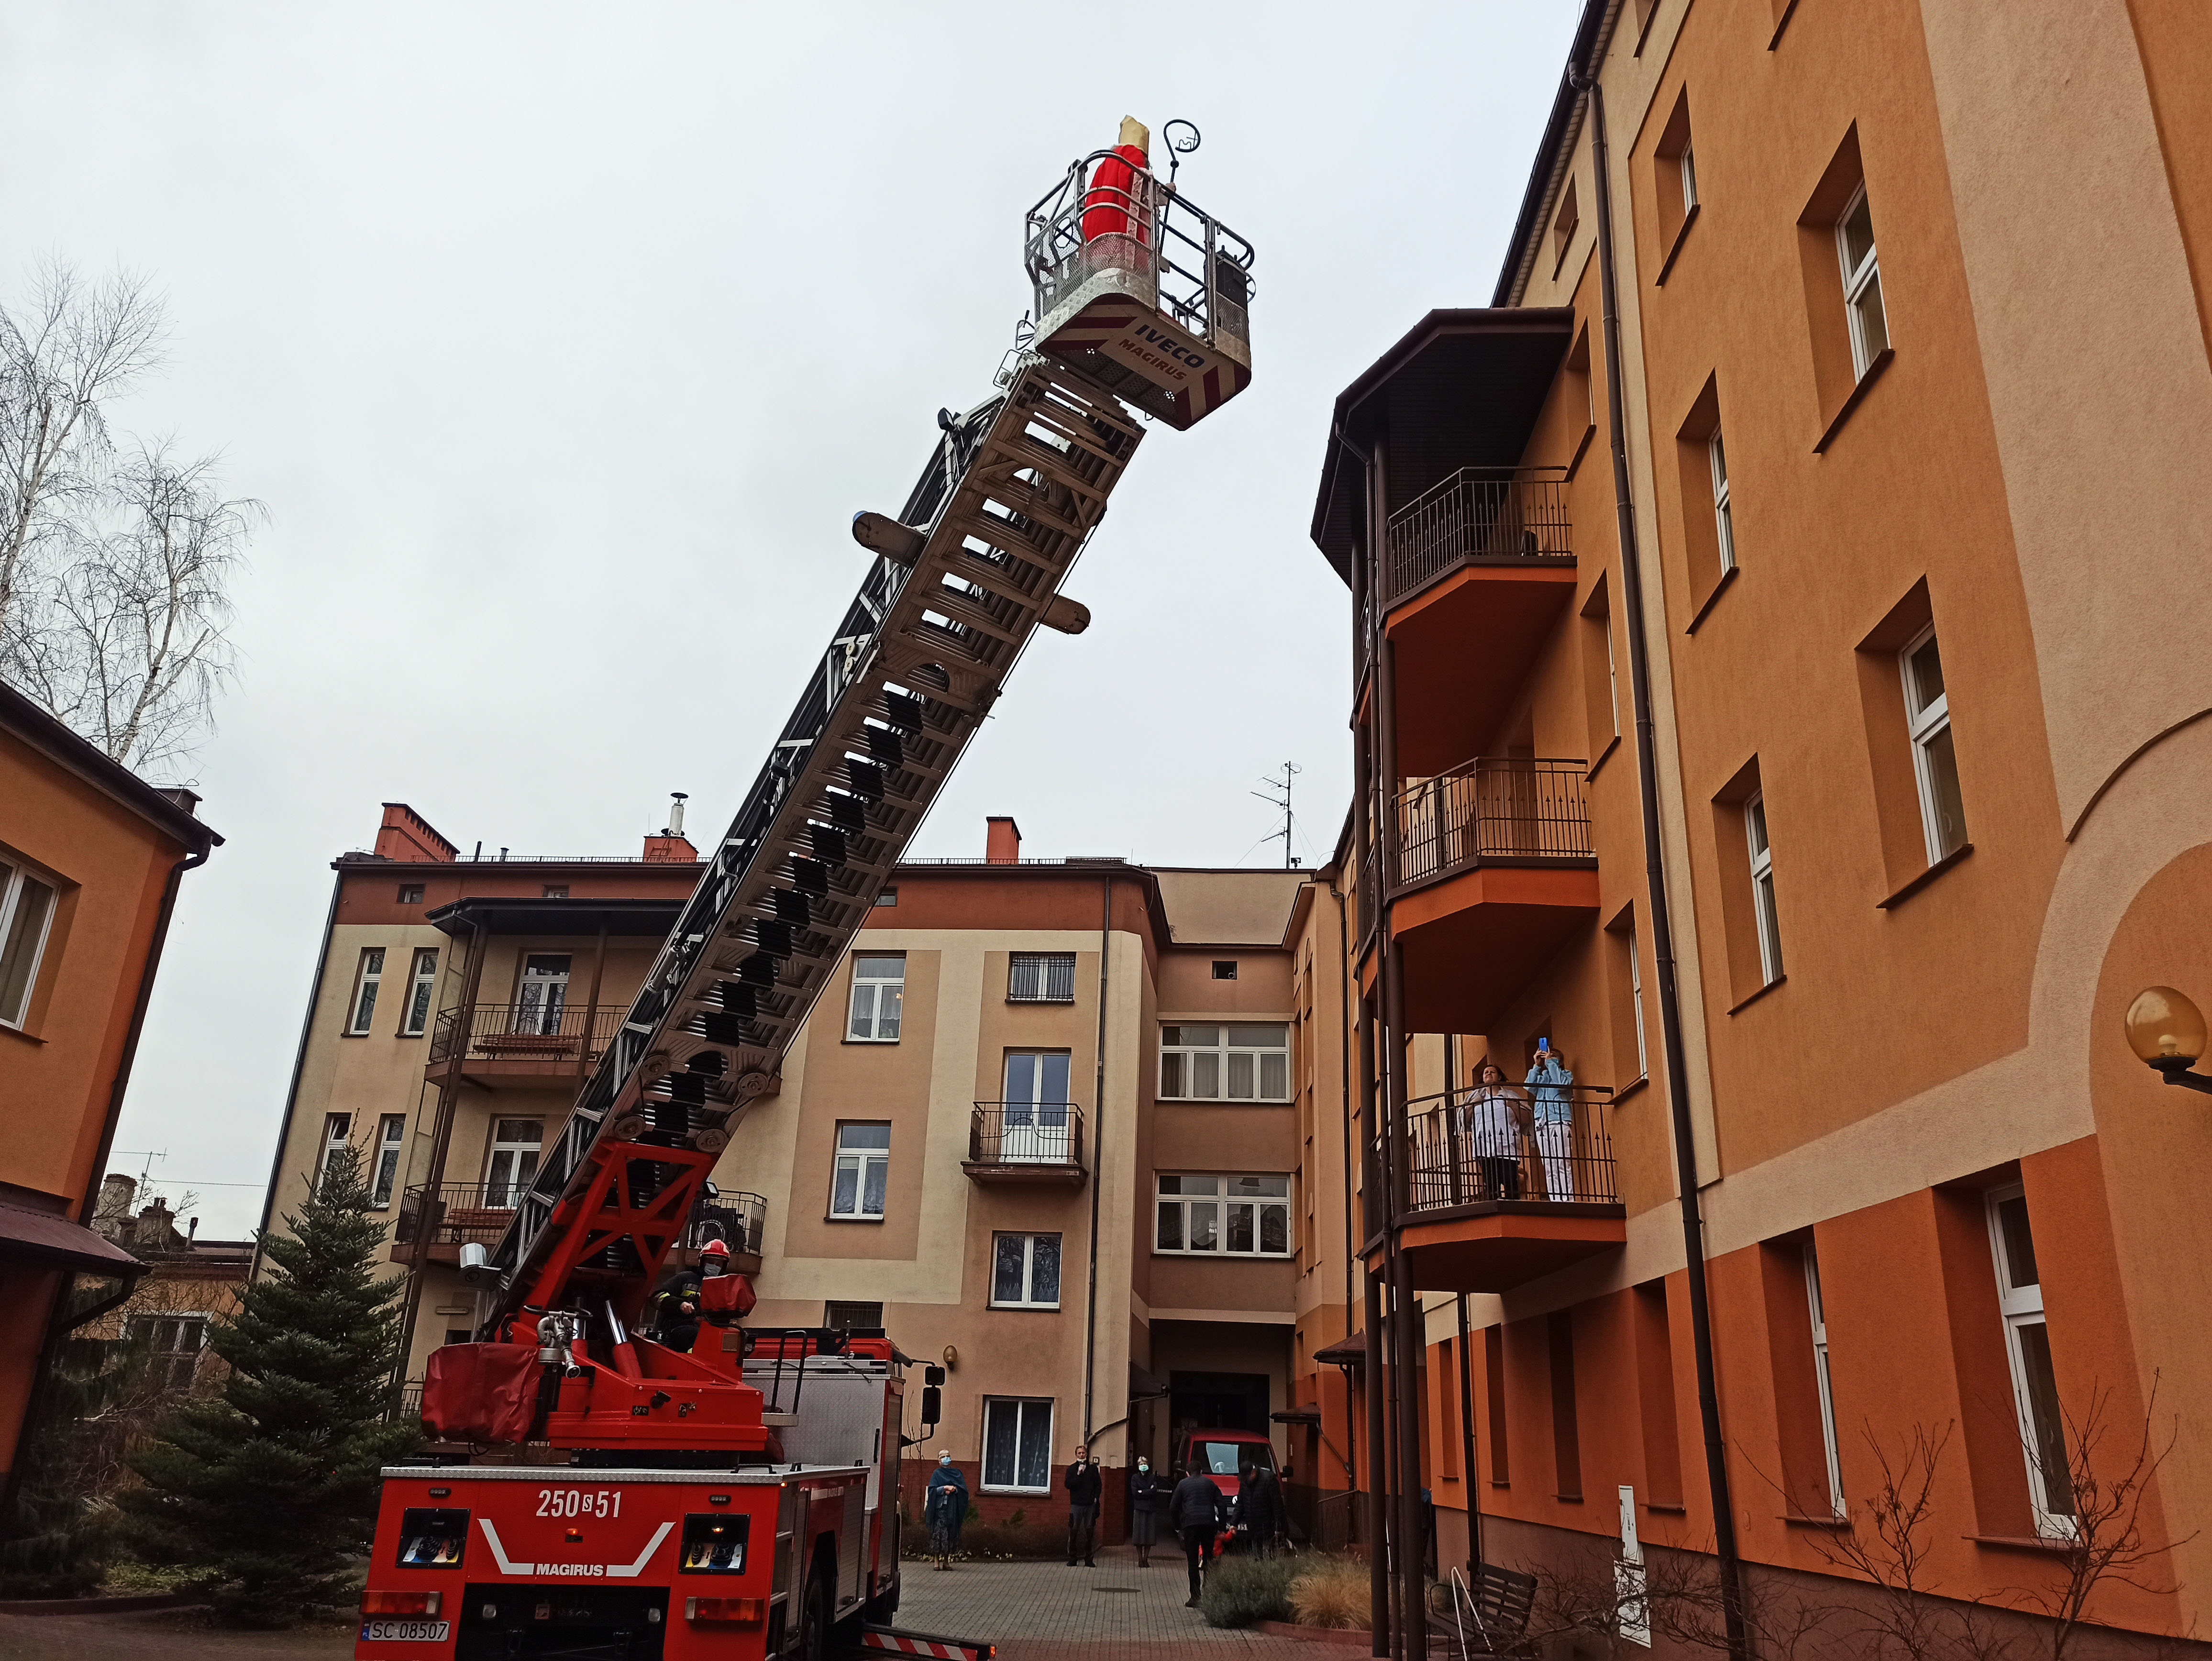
1042	1134
1494	808
1482	514
1515	1144
737	1221
455	1214
525	1038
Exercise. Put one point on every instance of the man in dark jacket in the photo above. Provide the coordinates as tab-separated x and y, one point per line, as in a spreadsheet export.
1082	1485
1196	1511
1259	1507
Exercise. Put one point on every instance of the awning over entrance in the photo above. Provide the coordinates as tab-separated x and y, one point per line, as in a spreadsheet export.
1347	1352
47	1240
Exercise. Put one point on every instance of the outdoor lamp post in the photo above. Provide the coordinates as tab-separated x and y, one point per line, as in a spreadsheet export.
2167	1032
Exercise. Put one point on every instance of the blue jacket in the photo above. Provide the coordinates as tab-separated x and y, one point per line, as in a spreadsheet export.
947	1487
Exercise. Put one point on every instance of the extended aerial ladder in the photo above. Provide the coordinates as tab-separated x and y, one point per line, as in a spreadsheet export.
1139	299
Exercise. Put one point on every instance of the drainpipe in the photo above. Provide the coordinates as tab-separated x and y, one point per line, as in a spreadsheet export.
1655	879
1097	1142
1372	1220
1343	1119
299	1067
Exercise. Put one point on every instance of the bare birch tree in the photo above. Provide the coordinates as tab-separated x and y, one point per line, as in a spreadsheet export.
113	566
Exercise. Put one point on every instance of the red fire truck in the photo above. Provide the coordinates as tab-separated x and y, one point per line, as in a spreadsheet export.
595	1493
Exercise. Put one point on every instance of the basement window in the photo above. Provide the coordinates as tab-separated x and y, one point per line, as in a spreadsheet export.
1224	968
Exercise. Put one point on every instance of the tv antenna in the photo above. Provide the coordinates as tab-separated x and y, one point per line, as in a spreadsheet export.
1278	794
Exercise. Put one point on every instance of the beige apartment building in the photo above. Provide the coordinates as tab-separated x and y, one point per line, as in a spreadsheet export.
1047	1130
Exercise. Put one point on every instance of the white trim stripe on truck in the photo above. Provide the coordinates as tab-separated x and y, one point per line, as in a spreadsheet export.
574	1571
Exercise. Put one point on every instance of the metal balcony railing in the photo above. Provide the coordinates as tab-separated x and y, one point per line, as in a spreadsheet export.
454	1214
737	1221
525	1037
1487	513
1026	1133
1513	1143
1494	807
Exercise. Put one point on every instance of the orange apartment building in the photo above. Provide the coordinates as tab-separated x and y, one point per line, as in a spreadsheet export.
91	858
1784	710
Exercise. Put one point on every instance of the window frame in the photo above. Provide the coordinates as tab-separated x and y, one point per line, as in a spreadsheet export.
144	1322
337	1133
1222	1052
2018	1307
16	873
390	1150
367	981
1224	1202
875	983
1685	163
1816	1307
494	1143
1723	512
1867	274
860	1157
1923	725
422	992
1028	1299
1044	965
1636	1001
1766	902
1022	1406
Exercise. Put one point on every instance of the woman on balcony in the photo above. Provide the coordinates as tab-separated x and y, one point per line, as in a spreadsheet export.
1554	1111
1495	1125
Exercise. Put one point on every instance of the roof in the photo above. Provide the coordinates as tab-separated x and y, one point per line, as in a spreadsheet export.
1347	1352
519	914
1461	389
1559	130
52	1241
169	809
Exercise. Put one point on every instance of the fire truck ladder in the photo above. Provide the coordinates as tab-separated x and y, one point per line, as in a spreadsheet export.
959	585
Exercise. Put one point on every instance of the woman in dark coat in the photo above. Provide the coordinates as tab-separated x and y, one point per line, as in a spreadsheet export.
1147	1494
945	1508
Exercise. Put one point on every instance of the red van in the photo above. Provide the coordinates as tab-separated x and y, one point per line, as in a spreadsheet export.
1223	1454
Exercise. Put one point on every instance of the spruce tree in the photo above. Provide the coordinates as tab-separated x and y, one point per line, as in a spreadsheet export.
271	1485
57	1536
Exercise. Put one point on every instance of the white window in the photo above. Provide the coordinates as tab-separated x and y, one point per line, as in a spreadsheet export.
2034	1382
1245	1216
1762	889
1036	1125
513	1162
1225	1063
420	984
863	1172
1819	1313
1723	521
1928	716
1636	999
542	994
1016	1445
1689	180
366	979
878	991
173	1343
27	913
1025	1271
337	1131
1862	283
1041	977
391	1142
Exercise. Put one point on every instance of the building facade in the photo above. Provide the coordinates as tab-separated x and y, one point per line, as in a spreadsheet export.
1758	766
91	858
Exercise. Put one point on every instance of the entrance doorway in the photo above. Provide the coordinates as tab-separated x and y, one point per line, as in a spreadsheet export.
1218	1401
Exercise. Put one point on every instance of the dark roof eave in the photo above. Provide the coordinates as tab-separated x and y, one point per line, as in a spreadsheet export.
66	749
1595	12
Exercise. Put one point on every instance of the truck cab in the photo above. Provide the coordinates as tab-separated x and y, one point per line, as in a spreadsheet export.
1223	1455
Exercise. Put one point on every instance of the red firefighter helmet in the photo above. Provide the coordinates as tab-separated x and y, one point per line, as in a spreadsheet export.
715	1249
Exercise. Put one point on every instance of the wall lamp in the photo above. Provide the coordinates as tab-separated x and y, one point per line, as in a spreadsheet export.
2167	1032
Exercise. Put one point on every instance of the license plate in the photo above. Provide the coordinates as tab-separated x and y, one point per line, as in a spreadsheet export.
407	1632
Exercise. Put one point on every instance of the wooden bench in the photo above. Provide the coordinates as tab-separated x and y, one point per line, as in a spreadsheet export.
1486	1617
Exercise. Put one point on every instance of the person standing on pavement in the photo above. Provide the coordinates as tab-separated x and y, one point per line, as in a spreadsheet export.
1147	1494
1259	1507
1195	1509
1083	1484
945	1509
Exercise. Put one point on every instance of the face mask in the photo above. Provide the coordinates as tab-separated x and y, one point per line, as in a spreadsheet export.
1144	1464
947	1460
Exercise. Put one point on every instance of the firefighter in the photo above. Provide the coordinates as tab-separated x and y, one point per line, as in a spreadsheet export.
676	1305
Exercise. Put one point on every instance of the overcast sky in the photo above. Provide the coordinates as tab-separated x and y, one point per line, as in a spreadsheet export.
563	342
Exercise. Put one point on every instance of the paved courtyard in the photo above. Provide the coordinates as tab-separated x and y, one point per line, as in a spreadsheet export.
1032	1611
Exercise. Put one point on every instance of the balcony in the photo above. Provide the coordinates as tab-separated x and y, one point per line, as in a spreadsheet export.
1476	572
1496	1199
455	1214
523	1045
1028	1142
1495	870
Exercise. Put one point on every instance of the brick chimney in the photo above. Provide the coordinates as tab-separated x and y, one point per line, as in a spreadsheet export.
405	835
1002	841
671	847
